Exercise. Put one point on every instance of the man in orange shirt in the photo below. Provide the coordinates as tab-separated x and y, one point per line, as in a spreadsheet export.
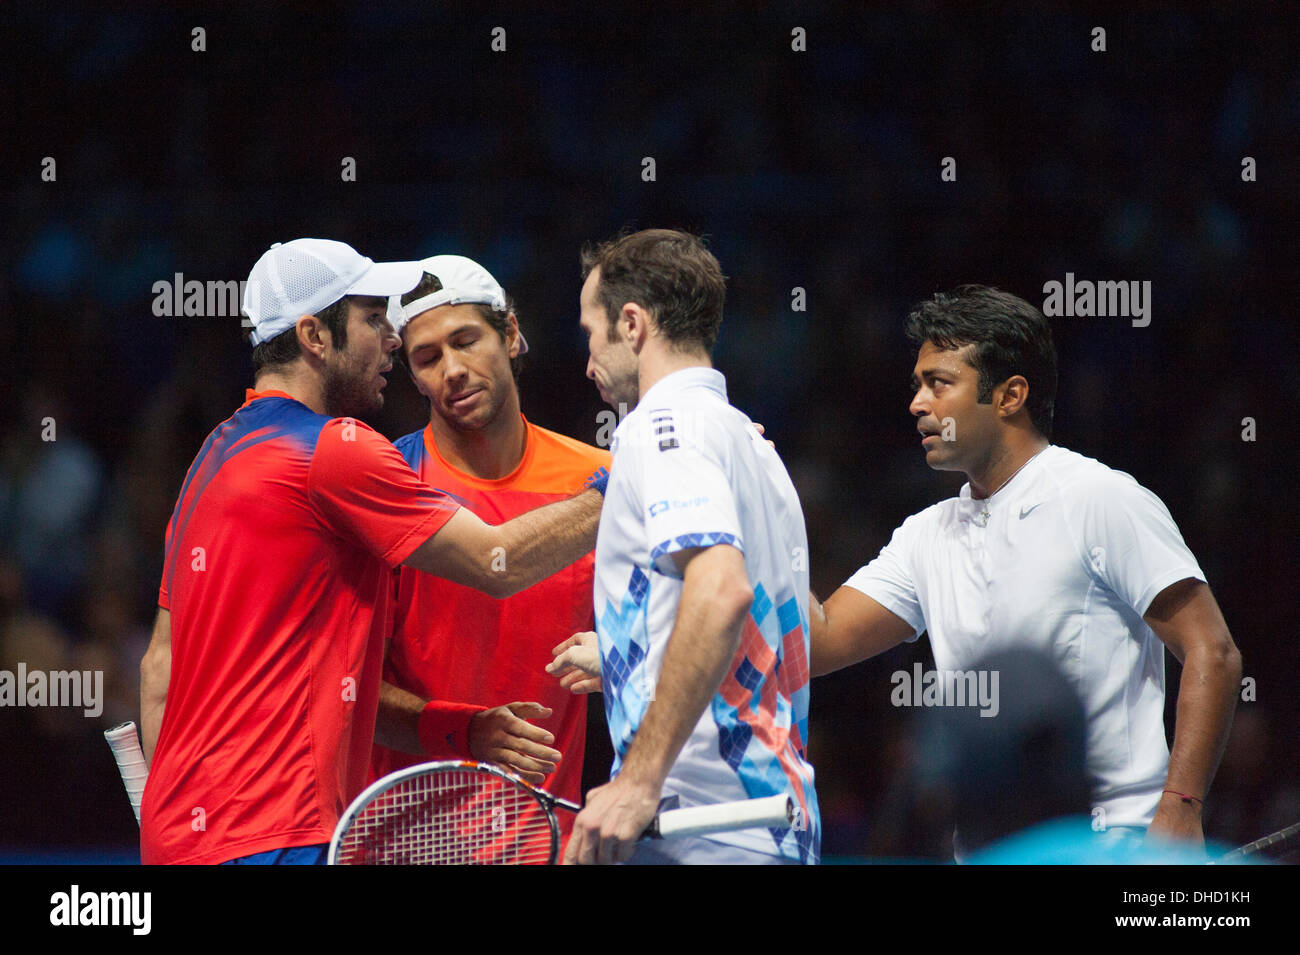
456	653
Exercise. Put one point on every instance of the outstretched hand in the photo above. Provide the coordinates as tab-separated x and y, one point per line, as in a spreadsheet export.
577	663
503	735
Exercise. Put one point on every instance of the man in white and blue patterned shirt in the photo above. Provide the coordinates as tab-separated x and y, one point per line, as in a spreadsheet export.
701	596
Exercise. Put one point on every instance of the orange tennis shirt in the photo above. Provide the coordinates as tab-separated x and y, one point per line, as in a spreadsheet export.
453	643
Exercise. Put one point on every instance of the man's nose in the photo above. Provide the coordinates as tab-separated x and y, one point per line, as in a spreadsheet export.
452	366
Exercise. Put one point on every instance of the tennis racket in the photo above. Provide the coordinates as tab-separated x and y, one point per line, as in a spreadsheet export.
465	813
130	761
1280	846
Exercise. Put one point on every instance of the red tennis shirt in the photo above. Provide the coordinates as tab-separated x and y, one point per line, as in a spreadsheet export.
278	577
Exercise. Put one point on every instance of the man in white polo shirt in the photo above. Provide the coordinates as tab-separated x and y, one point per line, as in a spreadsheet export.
701	574
1045	548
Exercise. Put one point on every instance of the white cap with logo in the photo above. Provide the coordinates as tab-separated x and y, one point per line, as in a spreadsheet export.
464	282
304	276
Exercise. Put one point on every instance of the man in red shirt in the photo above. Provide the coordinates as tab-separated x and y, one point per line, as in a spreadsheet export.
260	687
456	653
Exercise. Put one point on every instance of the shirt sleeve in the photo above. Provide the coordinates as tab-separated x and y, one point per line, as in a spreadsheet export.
1130	543
164	599
889	581
365	492
688	499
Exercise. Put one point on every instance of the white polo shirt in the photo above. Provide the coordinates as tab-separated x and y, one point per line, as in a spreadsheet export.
1068	559
689	470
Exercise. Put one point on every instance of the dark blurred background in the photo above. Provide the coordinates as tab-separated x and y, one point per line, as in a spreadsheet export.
817	169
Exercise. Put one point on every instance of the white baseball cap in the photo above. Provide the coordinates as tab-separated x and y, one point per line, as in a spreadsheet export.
304	276
464	282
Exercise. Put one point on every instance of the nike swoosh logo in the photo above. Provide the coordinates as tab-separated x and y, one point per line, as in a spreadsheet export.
1024	511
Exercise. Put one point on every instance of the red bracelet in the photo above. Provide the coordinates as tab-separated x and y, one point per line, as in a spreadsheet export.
443	728
1184	797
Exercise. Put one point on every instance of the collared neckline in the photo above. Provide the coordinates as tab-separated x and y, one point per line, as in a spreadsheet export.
1027	468
696	377
431	448
252	394
977	510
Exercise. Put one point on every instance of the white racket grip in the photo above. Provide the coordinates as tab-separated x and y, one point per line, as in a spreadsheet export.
769	812
130	762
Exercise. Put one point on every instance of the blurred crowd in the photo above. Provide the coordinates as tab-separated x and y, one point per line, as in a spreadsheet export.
817	171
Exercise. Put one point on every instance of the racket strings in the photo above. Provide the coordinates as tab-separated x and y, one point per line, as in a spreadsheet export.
451	817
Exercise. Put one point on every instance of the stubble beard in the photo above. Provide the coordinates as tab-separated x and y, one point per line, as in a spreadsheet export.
626	391
348	393
477	420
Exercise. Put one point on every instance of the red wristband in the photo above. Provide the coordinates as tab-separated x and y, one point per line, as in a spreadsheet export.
1184	797
443	728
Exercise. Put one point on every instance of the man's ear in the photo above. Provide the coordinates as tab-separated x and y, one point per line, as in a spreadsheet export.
1014	394
634	324
512	349
313	336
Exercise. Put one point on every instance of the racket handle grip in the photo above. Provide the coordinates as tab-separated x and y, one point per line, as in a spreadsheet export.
770	812
130	762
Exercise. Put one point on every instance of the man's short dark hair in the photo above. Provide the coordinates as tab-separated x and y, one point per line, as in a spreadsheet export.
498	320
669	273
1011	337
283	348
